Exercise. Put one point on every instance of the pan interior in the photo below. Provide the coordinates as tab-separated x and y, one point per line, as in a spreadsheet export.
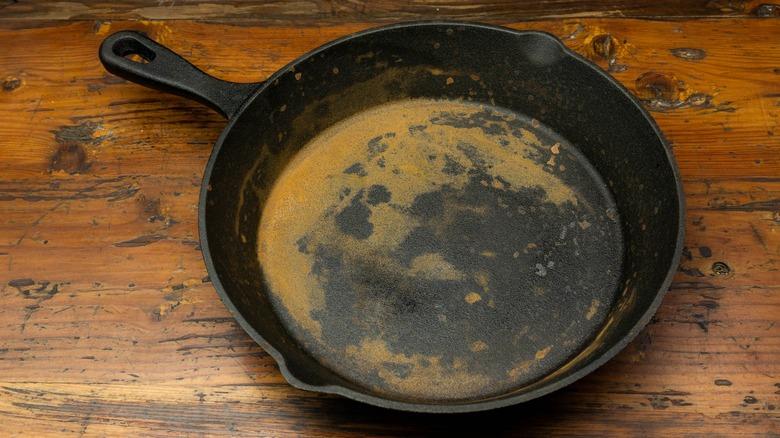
440	250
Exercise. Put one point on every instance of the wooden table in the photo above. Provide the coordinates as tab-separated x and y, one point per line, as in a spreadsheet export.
109	324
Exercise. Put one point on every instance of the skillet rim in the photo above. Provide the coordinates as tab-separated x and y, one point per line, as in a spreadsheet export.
444	407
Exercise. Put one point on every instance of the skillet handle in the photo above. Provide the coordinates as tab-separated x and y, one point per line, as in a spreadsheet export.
164	70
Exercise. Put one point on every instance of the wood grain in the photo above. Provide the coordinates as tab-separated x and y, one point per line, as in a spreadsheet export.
311	12
109	324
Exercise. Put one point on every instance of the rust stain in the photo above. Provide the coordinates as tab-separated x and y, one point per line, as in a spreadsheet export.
434	267
478	346
472	297
521	368
594	307
416	375
541	354
386	157
377	89
403	167
482	280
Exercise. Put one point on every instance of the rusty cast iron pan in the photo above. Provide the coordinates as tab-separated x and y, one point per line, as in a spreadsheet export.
436	217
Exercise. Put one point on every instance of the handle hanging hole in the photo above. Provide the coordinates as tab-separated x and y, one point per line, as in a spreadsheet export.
136	58
133	50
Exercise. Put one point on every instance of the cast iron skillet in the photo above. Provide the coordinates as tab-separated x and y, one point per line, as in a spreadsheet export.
479	216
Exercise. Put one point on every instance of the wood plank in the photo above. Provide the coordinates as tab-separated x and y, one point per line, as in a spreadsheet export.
736	123
109	324
311	12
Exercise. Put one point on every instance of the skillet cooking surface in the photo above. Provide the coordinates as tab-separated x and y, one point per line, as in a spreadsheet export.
440	250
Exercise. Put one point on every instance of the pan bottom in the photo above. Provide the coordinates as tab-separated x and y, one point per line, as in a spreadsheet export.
435	250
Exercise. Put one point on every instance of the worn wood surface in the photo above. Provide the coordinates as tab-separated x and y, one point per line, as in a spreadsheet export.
335	11
109	325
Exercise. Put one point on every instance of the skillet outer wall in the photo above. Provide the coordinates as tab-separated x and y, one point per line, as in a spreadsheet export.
325	385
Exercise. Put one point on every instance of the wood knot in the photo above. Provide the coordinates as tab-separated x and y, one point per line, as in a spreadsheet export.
601	46
70	158
604	46
767	10
659	86
726	5
70	155
663	91
11	83
721	269
688	53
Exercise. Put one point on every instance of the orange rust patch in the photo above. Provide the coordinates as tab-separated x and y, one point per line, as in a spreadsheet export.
543	352
434	267
594	307
294	210
478	346
482	279
398	147
426	373
472	297
520	369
